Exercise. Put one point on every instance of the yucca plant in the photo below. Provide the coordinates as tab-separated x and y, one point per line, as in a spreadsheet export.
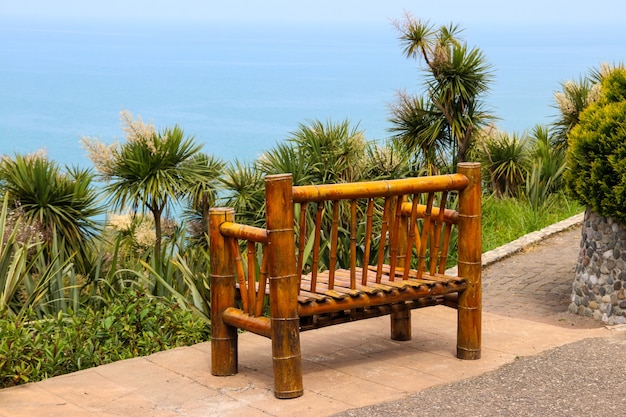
331	152
505	159
451	110
547	154
418	125
387	161
286	158
202	195
34	275
244	191
575	97
151	171
56	201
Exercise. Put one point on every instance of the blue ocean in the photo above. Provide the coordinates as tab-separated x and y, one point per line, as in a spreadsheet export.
241	88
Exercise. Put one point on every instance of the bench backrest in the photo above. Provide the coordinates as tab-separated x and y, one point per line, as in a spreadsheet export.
400	224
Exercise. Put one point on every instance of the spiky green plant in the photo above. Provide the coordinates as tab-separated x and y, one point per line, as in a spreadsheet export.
451	110
203	194
34	275
151	171
417	124
244	191
57	202
331	152
505	159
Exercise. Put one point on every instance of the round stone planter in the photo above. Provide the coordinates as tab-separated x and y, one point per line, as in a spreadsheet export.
598	289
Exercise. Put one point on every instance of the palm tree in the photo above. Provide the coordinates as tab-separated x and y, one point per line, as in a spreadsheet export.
151	170
55	201
202	194
416	123
452	110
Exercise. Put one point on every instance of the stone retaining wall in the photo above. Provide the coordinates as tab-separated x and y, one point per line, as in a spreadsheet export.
598	288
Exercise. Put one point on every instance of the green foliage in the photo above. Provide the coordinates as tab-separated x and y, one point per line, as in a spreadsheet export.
245	192
54	201
331	152
506	219
597	151
417	124
34	275
451	111
133	324
575	97
316	153
505	159
152	170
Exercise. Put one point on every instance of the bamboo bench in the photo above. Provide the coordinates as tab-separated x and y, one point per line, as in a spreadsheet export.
388	257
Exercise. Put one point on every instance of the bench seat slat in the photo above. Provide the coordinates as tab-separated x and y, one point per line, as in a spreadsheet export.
426	286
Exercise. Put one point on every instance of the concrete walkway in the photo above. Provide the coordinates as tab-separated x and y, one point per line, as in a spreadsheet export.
346	367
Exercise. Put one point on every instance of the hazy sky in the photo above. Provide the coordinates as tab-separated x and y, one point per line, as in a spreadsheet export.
438	11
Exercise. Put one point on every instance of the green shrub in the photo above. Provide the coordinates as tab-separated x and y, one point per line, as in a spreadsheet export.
131	325
597	151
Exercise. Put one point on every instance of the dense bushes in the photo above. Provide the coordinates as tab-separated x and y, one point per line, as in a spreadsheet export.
597	151
132	325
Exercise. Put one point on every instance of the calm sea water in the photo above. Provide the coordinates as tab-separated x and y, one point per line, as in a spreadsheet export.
239	89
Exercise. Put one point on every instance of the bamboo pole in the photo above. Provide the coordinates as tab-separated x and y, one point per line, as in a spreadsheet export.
302	236
368	240
395	240
449	215
353	221
436	242
408	228
366	189
421	261
238	318
251	278
223	336
244	232
284	285
316	245
383	240
470	249
260	293
334	237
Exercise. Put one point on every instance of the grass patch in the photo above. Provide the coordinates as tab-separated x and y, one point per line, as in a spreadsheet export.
506	219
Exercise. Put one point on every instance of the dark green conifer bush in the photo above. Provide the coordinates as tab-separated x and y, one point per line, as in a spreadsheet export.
597	151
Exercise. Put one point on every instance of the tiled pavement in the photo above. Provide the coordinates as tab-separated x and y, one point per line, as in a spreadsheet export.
525	301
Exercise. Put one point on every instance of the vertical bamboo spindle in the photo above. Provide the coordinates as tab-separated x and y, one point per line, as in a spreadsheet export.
401	314
470	249
283	287
223	278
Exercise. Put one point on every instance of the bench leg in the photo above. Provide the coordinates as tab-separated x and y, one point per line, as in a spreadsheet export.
469	261
469	327
284	283
287	358
223	281
401	323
